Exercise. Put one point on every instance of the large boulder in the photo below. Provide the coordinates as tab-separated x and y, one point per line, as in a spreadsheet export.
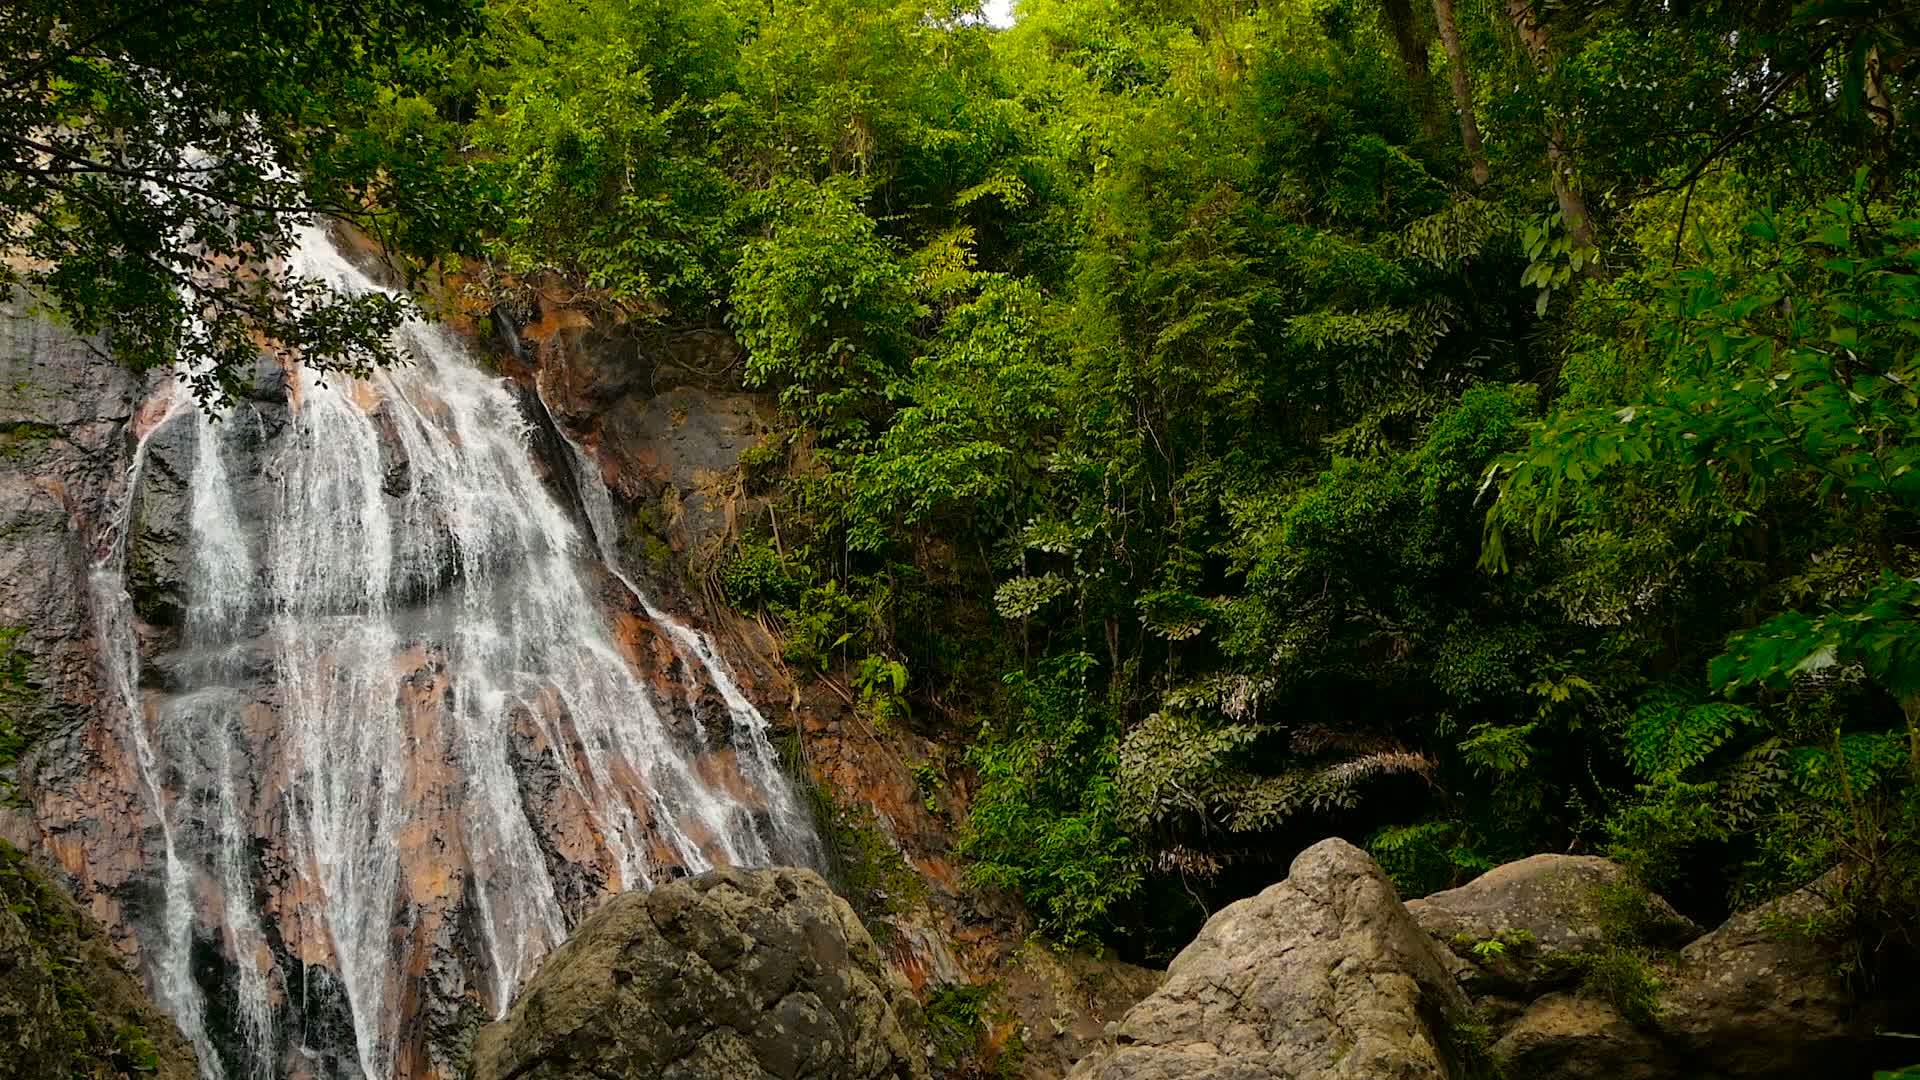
68	1006
1513	924
731	975
1760	997
1322	976
1757	998
1568	1035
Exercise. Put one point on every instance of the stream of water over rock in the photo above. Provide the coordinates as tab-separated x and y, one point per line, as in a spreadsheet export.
398	721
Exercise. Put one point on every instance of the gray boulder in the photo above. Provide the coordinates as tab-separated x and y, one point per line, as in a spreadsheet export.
1756	998
1537	909
1565	1035
1322	976
732	975
1760	997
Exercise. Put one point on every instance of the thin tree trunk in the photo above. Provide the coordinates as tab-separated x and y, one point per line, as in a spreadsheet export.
1879	105
1879	102
1411	41
1566	191
1462	80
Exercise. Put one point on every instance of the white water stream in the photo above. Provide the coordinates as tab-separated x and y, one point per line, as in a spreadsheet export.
410	552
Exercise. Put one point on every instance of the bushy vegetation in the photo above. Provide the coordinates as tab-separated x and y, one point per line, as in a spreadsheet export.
1475	428
963	1030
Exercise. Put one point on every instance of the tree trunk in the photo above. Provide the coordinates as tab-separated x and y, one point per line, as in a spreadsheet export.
1411	41
1462	80
1566	191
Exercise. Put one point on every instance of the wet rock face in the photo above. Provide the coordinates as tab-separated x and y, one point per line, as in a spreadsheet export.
157	558
245	668
731	975
1322	976
63	414
668	420
68	1006
64	417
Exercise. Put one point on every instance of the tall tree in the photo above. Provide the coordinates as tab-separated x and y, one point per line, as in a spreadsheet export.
1411	39
1461	78
1560	168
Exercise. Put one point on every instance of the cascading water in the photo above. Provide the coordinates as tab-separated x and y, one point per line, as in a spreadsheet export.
398	715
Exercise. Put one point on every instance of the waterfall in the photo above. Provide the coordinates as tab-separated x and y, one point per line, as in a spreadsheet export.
399	714
168	946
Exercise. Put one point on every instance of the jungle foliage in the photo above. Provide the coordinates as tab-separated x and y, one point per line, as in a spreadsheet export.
1476	428
157	161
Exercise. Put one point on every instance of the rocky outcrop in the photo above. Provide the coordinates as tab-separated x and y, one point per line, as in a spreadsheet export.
1063	1002
1322	976
1567	1035
1514	927
1564	968
68	1006
1553	947
665	413
1760	997
65	415
732	975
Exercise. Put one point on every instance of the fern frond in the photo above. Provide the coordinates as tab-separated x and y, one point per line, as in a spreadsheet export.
1666	737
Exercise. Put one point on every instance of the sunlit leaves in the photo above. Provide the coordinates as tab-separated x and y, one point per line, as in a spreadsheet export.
1025	597
1666	737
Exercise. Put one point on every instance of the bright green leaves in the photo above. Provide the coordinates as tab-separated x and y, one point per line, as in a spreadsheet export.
823	306
1044	817
978	415
1499	750
1789	368
1854	764
1877	632
1025	597
1667	736
1764	484
1554	260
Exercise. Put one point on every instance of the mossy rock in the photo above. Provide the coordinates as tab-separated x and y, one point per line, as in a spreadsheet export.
68	1005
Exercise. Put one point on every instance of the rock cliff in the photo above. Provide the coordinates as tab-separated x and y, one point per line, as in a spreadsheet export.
337	718
170	769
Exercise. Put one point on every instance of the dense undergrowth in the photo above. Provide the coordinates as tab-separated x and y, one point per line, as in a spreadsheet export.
1472	427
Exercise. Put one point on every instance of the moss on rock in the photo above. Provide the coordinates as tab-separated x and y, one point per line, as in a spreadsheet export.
68	1006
